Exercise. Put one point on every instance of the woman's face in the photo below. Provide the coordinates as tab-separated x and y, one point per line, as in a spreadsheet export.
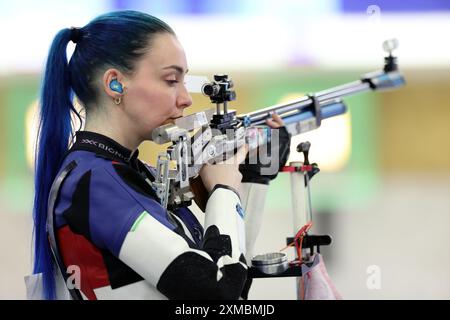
155	94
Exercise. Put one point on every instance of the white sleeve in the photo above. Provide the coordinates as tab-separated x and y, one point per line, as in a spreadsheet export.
224	211
162	257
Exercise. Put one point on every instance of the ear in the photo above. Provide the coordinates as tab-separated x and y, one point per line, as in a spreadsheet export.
108	77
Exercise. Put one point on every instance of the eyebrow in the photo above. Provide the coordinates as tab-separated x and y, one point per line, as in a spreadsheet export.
177	68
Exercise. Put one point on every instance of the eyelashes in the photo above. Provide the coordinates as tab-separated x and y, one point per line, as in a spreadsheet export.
172	82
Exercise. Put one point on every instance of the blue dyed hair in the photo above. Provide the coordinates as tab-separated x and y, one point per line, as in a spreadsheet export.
117	39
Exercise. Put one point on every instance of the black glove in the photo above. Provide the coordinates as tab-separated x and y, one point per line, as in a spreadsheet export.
252	172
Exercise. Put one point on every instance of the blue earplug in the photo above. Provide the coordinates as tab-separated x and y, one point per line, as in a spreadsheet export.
116	86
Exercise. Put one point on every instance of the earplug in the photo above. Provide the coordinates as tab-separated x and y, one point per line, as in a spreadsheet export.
116	86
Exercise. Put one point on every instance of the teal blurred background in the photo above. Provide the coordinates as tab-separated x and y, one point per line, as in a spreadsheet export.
383	193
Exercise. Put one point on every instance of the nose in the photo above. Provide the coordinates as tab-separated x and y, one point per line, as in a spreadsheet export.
184	99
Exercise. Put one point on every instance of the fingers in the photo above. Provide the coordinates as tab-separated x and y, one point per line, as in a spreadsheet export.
241	154
275	122
238	157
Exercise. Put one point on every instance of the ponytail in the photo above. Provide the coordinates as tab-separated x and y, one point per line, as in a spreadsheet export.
52	143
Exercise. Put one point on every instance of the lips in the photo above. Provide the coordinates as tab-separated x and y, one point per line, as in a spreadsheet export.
171	120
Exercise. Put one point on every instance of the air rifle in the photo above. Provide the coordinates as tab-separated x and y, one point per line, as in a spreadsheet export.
214	134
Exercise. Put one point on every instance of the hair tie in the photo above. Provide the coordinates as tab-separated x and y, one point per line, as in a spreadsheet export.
75	34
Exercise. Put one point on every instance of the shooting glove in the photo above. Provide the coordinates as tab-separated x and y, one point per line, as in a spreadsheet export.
252	172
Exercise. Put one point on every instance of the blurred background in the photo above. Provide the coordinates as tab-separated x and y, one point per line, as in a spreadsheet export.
384	190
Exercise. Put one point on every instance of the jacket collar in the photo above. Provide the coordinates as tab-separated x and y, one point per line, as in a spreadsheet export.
103	146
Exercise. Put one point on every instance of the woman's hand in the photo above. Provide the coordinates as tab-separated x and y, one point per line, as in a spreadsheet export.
275	122
279	154
226	173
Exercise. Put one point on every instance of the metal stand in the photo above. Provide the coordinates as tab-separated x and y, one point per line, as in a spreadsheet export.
300	175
